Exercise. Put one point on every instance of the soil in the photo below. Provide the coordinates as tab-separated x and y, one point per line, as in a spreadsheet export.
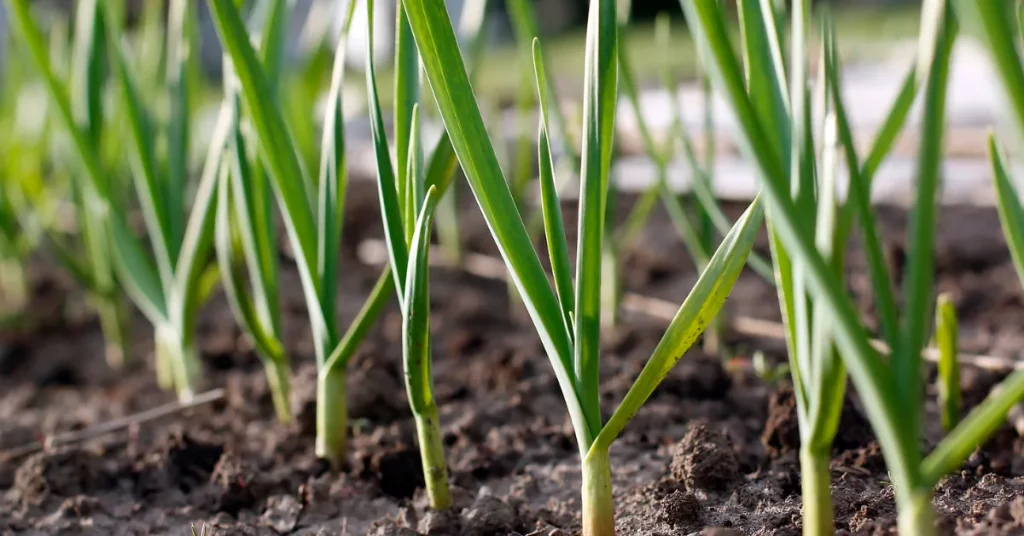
712	452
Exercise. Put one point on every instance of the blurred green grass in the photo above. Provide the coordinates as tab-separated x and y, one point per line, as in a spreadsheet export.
864	33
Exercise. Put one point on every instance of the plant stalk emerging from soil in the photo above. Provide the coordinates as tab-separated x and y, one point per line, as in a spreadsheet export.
246	229
598	507
916	516
331	417
314	232
79	105
416	356
815	481
114	319
567	314
407	212
312	215
891	390
169	288
175	361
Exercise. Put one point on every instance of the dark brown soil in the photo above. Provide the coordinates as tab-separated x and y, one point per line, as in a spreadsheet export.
714	450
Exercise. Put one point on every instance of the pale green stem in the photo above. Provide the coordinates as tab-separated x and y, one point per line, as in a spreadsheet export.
815	481
162	364
598	506
13	284
916	516
184	366
114	325
435	470
331	416
177	359
278	379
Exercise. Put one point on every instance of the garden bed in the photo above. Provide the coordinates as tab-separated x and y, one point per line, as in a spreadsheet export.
714	447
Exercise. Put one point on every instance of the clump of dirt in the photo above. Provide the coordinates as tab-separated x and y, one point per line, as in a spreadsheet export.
781	434
435	523
680	509
1007	517
179	463
64	473
489	515
282	513
397	469
236	484
705	459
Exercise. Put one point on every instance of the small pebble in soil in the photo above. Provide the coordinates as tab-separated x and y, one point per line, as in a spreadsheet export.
282	513
680	509
705	459
488	515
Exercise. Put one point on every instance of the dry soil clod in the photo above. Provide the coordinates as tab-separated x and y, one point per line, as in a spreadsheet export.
705	459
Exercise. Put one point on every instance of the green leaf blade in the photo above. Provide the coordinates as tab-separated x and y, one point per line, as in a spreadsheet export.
148	184
558	250
858	203
551	204
599	100
919	280
949	366
88	69
282	160
138	277
178	76
416	318
700	307
391	202
85	150
279	153
1011	213
407	96
446	72
332	185
791	237
232	269
977	426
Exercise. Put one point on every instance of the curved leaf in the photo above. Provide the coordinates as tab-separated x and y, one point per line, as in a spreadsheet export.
416	318
461	114
699	308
